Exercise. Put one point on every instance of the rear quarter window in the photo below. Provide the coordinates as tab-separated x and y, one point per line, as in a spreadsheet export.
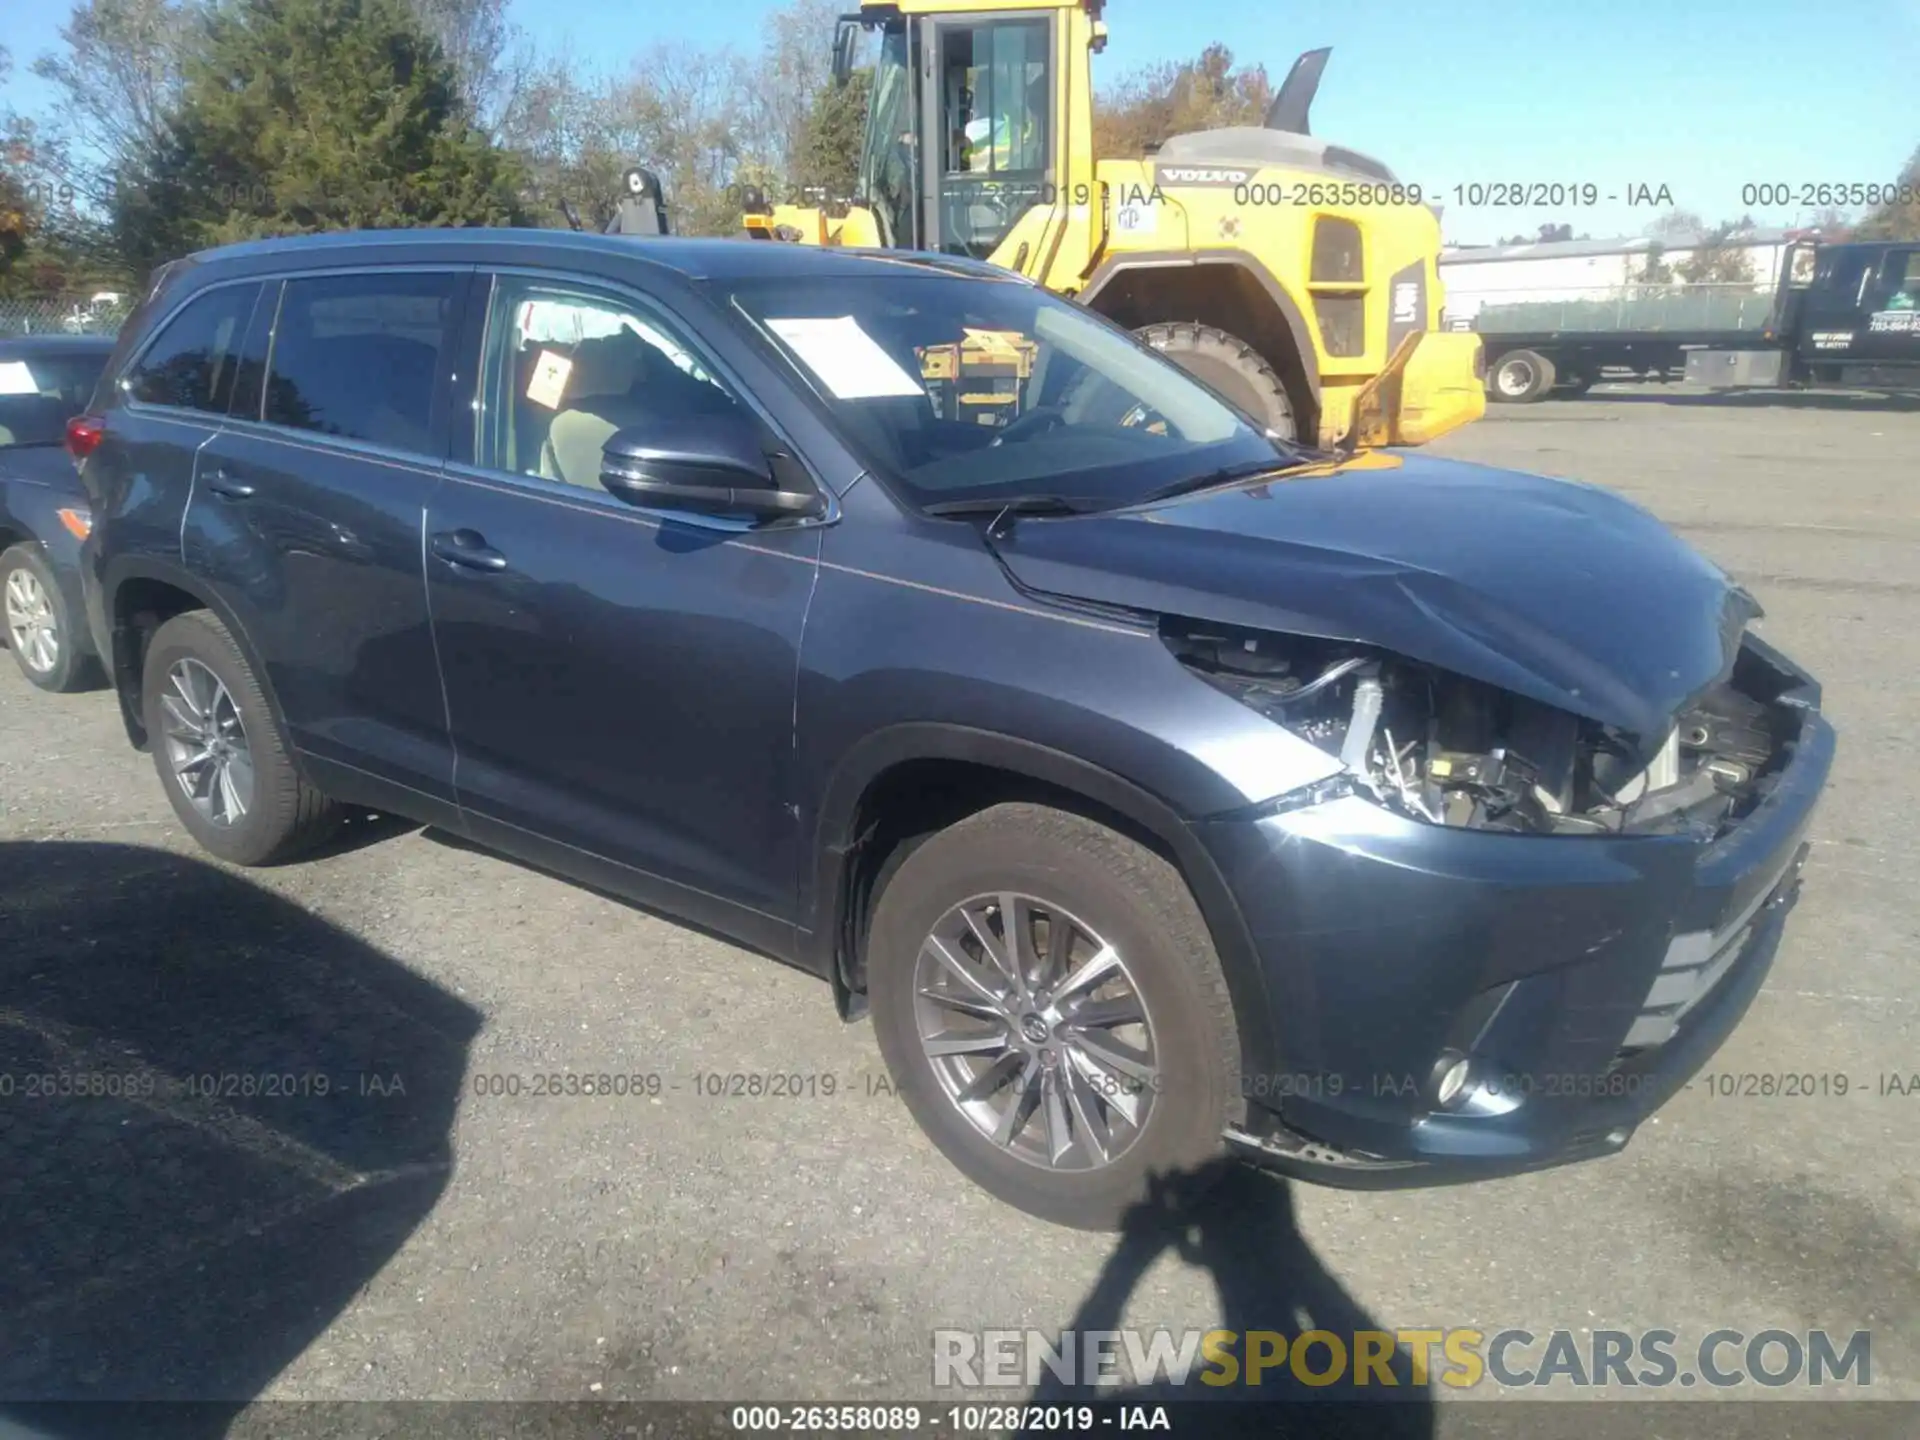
191	362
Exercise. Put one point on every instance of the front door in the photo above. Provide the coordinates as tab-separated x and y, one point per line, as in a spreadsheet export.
1833	322
620	682
1890	328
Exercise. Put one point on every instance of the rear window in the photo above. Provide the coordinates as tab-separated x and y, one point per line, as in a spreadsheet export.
357	356
40	393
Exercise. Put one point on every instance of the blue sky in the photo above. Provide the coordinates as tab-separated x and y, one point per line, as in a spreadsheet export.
1703	96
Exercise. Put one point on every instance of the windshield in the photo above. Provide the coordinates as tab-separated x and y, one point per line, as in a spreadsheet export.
960	388
40	393
888	159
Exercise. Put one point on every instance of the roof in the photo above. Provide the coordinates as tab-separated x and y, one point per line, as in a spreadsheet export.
1622	245
20	347
697	259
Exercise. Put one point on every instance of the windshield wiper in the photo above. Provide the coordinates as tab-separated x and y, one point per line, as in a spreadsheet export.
1015	505
1229	475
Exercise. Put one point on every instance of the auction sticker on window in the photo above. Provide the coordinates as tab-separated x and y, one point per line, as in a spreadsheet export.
848	361
16	379
549	380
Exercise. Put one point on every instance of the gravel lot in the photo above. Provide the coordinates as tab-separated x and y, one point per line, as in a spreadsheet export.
443	1243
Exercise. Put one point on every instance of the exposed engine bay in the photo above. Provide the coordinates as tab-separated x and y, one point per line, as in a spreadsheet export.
1454	751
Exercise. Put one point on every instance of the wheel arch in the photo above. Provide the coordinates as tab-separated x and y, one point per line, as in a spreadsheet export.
1230	290
910	778
140	597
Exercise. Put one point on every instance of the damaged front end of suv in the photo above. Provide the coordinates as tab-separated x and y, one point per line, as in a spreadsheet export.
1536	809
1449	750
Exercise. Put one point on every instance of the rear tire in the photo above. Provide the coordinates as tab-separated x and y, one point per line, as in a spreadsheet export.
1081	1148
40	630
243	801
1232	367
1520	377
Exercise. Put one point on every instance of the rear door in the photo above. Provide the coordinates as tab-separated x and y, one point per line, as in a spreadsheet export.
169	402
308	521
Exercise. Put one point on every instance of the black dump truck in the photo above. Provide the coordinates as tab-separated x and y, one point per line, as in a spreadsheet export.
1557	317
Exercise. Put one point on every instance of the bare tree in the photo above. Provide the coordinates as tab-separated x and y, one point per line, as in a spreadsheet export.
706	121
1716	260
491	57
1899	217
781	88
1145	108
119	78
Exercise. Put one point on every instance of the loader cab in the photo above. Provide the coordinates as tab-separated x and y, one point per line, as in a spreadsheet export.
963	129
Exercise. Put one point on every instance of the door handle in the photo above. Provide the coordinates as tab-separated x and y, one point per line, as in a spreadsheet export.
467	549
221	483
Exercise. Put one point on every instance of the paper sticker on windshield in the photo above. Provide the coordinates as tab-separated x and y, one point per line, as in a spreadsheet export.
549	380
16	379
848	361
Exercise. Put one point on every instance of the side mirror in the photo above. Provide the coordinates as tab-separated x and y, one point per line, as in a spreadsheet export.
846	37
710	463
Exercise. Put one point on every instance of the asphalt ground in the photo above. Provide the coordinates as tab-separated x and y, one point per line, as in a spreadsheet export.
411	1235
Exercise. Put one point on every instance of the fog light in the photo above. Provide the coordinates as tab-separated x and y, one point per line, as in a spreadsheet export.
1451	1075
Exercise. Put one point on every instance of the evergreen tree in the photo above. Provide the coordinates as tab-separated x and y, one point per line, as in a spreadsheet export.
306	115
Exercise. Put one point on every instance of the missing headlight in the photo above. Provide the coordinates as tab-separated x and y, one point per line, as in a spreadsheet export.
1457	752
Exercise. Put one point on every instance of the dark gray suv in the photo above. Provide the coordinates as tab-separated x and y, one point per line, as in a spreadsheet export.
1158	787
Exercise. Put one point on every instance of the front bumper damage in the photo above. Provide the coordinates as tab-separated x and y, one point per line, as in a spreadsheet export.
1585	979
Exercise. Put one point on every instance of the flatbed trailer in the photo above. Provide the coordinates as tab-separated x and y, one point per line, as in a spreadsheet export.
1560	317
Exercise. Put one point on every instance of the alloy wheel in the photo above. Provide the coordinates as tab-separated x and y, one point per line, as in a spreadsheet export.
207	743
32	630
1036	1031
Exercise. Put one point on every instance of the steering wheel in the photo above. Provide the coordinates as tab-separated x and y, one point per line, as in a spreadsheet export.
1036	421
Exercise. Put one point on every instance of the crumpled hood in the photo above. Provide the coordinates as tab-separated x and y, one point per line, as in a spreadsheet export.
1552	589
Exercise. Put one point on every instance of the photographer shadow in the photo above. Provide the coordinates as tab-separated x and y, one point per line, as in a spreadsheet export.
1238	1224
220	1117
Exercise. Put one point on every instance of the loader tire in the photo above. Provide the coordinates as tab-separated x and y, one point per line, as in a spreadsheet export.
1233	368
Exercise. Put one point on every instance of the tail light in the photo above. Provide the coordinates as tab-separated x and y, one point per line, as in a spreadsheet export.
84	434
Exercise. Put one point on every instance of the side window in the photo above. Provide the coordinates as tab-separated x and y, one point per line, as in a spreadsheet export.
995	96
1844	276
1902	287
566	368
191	362
358	355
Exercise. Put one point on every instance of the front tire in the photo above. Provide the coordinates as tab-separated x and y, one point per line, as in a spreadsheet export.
40	629
1230	366
222	760
1105	1056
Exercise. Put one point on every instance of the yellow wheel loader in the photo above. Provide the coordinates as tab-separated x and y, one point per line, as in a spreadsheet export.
1296	277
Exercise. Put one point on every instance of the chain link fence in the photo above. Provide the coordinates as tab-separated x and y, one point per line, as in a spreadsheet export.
98	316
